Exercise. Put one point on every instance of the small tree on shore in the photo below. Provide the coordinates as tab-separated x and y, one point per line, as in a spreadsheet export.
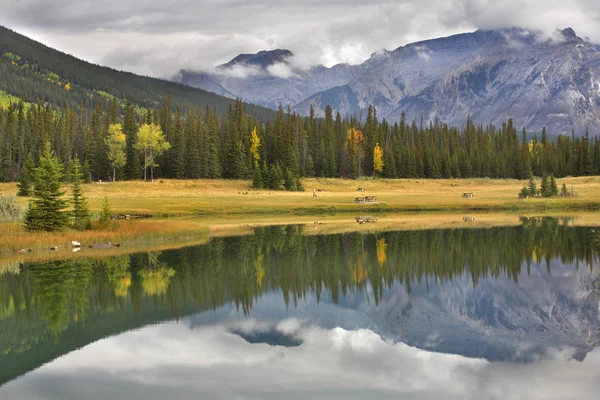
45	212
564	191
81	211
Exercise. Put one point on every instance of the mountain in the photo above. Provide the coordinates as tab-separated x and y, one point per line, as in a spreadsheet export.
488	75
34	72
270	79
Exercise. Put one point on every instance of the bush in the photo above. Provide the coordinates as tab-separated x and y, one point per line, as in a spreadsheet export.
10	209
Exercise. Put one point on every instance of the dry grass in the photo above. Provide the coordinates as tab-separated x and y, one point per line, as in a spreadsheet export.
131	233
232	207
221	198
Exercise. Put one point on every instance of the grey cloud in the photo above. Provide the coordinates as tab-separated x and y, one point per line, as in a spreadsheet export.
159	38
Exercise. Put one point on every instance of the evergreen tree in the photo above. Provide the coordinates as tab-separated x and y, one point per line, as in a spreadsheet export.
524	192
105	215
27	177
553	186
81	212
546	189
289	182
533	190
257	178
45	212
133	169
564	191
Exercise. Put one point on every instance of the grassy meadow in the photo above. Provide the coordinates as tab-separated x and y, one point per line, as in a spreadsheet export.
187	212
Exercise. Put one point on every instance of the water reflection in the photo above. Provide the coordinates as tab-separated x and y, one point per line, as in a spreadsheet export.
211	362
520	293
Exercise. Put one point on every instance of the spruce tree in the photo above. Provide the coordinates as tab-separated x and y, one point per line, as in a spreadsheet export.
27	176
81	212
45	212
105	214
553	186
533	190
564	191
289	183
133	169
545	189
524	192
257	179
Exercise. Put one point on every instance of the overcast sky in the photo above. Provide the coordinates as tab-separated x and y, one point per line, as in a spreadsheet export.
158	37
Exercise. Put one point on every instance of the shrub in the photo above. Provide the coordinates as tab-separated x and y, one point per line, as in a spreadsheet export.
10	209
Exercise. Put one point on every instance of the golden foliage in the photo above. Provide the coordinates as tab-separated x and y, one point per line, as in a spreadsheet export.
377	159
254	146
155	282
381	251
355	139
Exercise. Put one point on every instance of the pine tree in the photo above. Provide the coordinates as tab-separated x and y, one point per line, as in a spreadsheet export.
133	169
81	212
45	212
289	182
257	178
524	192
545	189
27	176
105	215
553	186
564	191
533	190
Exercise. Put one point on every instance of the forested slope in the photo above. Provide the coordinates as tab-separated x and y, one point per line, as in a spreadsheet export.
34	72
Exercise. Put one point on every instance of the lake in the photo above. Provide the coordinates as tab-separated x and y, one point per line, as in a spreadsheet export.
288	313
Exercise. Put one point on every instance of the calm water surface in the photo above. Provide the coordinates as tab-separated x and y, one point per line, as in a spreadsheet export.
499	313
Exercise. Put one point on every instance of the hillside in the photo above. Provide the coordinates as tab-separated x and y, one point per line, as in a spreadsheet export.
488	75
34	72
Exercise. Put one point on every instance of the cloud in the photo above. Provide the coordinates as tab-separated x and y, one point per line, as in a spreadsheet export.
280	70
210	362
169	36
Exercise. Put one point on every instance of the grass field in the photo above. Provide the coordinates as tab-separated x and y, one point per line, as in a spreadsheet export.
222	198
190	211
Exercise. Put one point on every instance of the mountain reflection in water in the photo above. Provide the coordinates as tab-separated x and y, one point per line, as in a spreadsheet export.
379	309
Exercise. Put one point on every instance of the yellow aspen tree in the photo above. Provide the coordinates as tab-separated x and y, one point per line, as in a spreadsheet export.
254	146
115	142
377	159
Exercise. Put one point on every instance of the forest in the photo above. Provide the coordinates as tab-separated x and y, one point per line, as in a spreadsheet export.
237	145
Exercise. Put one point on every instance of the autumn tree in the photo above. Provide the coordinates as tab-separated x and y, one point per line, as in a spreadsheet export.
254	148
151	143
116	143
377	159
